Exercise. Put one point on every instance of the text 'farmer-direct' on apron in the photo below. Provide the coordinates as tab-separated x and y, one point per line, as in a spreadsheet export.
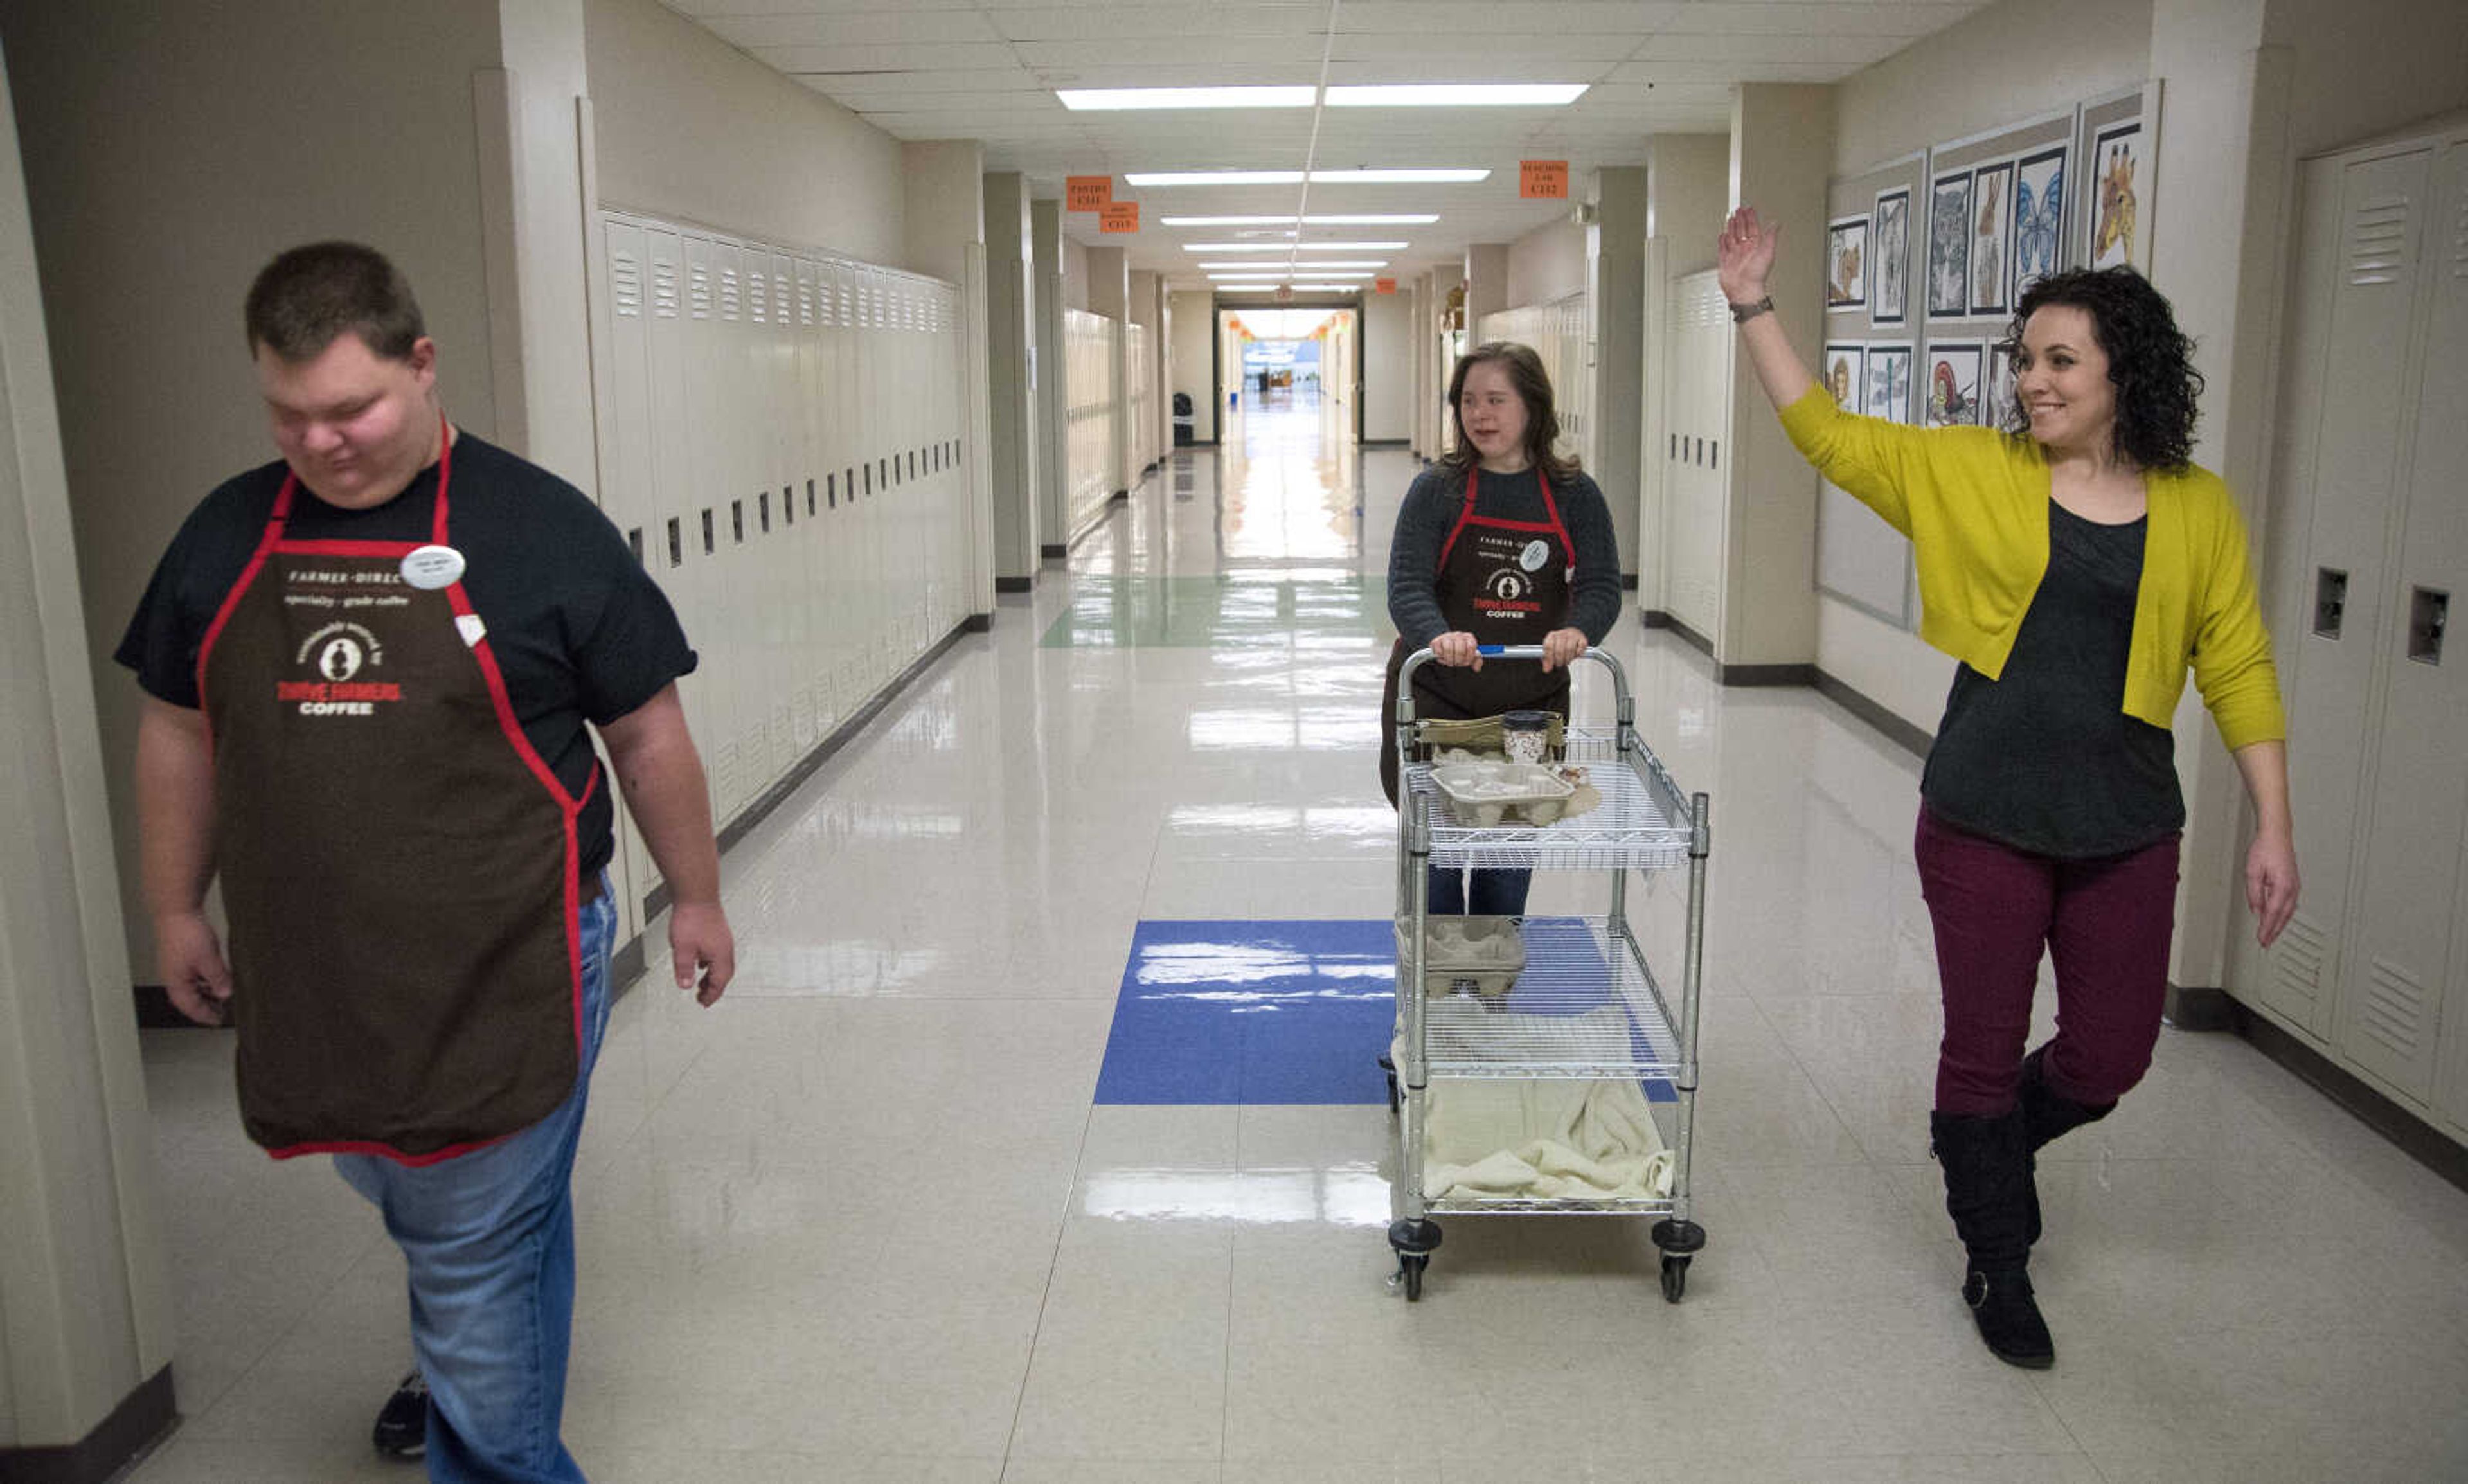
1504	581
397	859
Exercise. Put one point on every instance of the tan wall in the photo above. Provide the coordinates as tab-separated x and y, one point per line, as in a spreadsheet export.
1195	360
1388	366
691	128
1994	67
945	205
160	179
2363	70
1688	193
1546	264
1075	275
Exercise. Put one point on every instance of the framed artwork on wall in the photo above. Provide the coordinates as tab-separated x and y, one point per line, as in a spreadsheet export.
1846	372
1949	255
2118	184
1954	385
1995	384
1889	257
1890	383
1846	263
1992	187
2039	218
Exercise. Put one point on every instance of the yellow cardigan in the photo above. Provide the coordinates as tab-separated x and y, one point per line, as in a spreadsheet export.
1974	503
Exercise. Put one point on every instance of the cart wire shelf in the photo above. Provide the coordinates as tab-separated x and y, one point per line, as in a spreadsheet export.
1586	1006
1642	824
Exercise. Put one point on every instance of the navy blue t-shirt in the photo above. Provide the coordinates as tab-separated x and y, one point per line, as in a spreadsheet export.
581	632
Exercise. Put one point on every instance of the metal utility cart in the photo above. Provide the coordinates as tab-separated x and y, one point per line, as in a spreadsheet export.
1577	968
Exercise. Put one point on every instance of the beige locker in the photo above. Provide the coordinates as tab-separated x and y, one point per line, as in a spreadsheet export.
2371	534
2346	395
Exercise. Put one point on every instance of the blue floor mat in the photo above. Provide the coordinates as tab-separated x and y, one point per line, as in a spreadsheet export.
1252	1012
1273	1012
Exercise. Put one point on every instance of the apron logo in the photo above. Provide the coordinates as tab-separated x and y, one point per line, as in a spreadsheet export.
1507	594
338	654
1507	586
1536	553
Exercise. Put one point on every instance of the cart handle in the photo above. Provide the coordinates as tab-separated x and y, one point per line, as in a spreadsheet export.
1533	652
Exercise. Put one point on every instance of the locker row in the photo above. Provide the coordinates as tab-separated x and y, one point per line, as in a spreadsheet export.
2367	546
1089	367
782	442
1557	331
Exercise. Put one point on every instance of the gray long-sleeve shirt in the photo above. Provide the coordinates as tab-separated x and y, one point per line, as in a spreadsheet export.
1430	513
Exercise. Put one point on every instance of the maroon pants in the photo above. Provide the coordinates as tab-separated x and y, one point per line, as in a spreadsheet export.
2106	926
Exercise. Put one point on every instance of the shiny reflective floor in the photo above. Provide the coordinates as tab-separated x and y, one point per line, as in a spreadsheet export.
869	1219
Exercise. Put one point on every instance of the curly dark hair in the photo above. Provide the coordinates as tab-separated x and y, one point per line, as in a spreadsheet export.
1533	386
2150	361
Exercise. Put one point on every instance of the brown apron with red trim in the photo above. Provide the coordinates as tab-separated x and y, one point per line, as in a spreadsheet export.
398	862
1504	581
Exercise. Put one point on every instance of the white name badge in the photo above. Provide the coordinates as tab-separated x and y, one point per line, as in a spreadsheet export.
470	627
1531	558
432	567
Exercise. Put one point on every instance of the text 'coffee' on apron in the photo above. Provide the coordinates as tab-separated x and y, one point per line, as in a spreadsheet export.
1504	581
397	859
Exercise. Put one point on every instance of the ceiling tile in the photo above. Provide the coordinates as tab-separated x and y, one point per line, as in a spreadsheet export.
855	28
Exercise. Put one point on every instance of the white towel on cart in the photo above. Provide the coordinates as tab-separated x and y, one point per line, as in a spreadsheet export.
1548	1138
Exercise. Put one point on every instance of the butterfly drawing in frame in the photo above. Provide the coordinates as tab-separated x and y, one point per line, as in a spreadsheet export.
2038	216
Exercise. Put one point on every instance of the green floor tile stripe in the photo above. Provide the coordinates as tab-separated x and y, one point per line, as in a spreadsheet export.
1212	612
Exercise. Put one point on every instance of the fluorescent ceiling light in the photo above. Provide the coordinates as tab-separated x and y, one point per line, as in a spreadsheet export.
1100	98
1266	273
1288	248
1239	221
1390	177
1392	219
1456	95
1326	289
1217	177
1343	263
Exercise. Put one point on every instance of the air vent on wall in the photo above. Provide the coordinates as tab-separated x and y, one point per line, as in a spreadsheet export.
2378	231
2393	1012
2297	967
663	289
698	290
626	283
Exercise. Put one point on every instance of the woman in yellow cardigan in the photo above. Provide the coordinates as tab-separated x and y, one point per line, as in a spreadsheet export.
2075	561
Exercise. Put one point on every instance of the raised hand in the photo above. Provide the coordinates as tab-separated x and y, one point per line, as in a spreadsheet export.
1744	256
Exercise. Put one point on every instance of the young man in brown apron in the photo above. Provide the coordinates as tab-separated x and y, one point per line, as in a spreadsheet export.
372	668
1503	543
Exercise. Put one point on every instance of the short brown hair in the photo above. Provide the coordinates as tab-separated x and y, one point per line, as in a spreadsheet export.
309	297
1533	386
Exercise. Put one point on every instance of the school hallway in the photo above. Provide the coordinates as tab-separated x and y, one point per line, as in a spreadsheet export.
929	1197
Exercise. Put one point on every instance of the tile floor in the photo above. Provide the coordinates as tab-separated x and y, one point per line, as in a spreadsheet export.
867	1221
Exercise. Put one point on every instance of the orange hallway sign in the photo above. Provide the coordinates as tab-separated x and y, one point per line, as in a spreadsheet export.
1119	216
1087	193
1383	286
1542	181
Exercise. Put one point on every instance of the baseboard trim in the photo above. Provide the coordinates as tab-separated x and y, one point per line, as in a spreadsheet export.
1014	585
1910	738
2198	1007
141	1420
1695	640
1382	442
977	624
1052	553
1628	582
1653	617
1765	674
2419	1140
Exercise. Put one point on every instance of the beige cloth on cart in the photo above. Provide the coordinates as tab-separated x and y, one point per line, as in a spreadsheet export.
1538	1139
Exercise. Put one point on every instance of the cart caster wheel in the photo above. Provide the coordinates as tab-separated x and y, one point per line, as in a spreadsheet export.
1396	1102
1680	1241
1674	1277
1415	1242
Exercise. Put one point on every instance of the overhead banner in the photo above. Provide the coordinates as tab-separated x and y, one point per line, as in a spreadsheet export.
1087	193
1542	181
1119	216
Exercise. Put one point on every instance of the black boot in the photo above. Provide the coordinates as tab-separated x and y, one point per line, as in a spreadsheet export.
2049	1114
1987	1164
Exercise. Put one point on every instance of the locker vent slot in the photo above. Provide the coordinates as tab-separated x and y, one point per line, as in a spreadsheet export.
663	289
2297	967
2460	231
732	294
677	543
758	299
805	304
2378	241
2393	1012
788	504
698	290
810	497
626	284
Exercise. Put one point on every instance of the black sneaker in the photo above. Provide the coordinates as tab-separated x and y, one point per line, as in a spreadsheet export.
403	1423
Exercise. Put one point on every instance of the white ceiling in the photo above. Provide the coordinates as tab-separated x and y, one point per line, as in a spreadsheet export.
987	70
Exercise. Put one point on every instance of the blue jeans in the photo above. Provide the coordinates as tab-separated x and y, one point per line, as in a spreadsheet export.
489	1237
1495	893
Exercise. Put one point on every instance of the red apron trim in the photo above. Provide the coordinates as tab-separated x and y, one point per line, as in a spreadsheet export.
387	1152
1467	518
397	549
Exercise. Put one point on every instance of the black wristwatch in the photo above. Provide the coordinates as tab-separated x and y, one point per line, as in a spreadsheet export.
1742	314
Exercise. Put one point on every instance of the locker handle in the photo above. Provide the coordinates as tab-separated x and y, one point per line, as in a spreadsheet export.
2429	612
